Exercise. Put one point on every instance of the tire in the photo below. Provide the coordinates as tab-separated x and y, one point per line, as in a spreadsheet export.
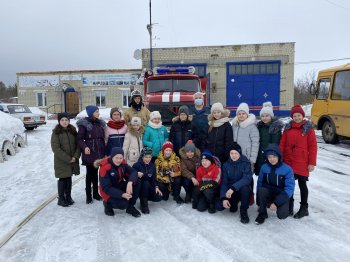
29	127
329	133
7	150
18	143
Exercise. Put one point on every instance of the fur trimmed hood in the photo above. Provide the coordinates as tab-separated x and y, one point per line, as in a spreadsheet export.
219	122
137	134
274	127
87	123
306	125
177	118
183	155
249	121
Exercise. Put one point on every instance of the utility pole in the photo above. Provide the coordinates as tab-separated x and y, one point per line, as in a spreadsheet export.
149	28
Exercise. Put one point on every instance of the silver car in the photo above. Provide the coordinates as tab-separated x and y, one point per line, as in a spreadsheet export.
22	112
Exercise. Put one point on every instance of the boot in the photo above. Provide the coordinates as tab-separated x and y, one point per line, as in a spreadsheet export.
260	218
88	196
244	217
179	200
108	209
144	205
61	188
291	207
95	194
211	208
188	197
233	208
303	211
69	199
133	211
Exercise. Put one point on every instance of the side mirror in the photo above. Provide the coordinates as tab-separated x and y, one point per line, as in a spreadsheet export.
312	88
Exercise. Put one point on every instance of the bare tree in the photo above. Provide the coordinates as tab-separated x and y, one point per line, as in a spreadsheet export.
7	92
301	88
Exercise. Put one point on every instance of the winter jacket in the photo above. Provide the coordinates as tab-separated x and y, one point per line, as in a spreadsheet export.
180	133
131	112
91	135
133	145
114	137
269	134
200	122
212	173
278	178
246	134
113	178
235	175
299	146
149	172
189	165
219	139
64	147
155	138
165	166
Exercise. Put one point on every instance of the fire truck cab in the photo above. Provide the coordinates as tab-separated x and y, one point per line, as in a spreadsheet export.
168	88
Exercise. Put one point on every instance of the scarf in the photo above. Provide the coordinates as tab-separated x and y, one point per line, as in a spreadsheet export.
116	125
155	126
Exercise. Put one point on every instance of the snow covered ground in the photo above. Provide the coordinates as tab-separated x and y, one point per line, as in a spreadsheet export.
171	232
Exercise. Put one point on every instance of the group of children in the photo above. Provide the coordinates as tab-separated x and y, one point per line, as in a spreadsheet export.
146	162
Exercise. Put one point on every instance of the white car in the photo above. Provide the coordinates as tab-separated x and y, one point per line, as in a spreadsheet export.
22	112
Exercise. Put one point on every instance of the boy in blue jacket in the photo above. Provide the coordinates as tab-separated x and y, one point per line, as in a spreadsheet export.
146	172
236	179
275	185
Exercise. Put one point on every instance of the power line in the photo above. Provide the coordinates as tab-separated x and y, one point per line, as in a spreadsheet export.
320	61
337	5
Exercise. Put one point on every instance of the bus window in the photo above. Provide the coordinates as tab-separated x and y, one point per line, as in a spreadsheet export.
341	89
323	88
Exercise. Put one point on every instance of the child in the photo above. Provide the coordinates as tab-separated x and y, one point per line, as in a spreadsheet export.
190	161
299	150
236	179
208	176
155	134
181	129
146	172
133	141
119	185
66	158
275	185
168	172
270	132
115	130
219	138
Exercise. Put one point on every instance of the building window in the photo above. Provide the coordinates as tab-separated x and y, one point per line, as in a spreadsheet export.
323	88
41	100
100	97
125	97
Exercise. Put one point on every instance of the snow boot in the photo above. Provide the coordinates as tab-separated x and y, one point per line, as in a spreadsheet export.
303	211
69	199
144	205
133	211
108	209
61	186
95	194
188	197
244	217
211	208
260	218
291	207
179	200
234	208
88	196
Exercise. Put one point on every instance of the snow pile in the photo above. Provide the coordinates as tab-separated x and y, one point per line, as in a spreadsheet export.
104	113
36	110
9	127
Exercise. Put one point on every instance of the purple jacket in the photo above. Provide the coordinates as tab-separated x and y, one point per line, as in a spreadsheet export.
91	134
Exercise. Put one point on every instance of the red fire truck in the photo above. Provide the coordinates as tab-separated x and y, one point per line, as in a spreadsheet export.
168	88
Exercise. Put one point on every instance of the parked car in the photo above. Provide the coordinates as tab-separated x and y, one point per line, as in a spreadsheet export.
22	112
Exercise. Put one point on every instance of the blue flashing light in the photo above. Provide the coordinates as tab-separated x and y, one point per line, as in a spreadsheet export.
180	70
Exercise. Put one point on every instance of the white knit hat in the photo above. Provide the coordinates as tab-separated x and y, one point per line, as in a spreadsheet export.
217	107
135	120
267	109
243	107
154	114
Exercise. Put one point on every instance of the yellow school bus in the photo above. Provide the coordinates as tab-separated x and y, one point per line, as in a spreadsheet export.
331	106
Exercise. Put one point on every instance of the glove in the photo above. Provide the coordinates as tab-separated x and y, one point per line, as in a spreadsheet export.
208	184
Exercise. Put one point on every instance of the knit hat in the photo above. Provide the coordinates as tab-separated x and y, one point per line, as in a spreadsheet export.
184	109
90	110
235	146
267	109
115	109
243	107
117	151
146	151
297	109
167	144
62	115
154	114
208	155
135	120
190	146
217	107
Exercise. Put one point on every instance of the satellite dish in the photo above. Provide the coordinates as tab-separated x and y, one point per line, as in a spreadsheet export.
137	54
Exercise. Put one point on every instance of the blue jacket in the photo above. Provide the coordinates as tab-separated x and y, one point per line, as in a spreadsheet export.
155	138
278	178
149	171
235	175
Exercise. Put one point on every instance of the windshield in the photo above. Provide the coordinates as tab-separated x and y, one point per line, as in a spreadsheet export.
172	85
13	109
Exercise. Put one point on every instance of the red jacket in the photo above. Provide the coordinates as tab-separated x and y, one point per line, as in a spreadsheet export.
299	146
212	173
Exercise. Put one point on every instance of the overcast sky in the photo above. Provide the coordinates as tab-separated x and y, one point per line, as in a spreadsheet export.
43	35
